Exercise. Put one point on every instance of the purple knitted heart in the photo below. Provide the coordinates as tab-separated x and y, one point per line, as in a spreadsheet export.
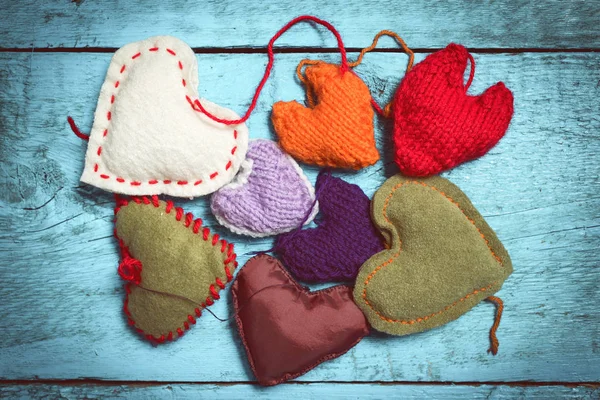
270	194
343	240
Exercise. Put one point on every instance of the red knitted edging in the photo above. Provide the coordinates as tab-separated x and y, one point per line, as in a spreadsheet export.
195	106
195	224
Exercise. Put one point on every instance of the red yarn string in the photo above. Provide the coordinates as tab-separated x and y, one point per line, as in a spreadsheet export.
344	67
377	107
76	130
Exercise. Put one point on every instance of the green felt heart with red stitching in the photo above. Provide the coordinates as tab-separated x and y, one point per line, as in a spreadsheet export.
174	266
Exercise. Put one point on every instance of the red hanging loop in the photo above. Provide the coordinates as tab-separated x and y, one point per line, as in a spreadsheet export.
471	72
344	67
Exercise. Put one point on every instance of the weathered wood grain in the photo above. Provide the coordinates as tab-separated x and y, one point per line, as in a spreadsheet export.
247	23
307	391
61	315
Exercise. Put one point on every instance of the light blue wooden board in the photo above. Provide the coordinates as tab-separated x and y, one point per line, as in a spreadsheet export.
248	23
61	316
308	391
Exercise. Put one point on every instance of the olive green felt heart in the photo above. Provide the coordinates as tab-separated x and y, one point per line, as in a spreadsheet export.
443	257
175	266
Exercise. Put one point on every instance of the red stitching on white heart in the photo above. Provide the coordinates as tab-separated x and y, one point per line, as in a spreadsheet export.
194	107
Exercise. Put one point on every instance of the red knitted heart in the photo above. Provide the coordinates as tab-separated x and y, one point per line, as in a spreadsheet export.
287	330
437	126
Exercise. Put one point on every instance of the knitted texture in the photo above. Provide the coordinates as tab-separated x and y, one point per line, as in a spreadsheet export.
344	239
437	125
149	136
338	130
443	257
287	330
270	195
174	266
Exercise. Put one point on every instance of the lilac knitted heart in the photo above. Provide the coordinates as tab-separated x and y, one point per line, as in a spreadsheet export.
343	240
270	195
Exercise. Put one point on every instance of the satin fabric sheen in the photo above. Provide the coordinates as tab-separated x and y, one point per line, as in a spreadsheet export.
288	330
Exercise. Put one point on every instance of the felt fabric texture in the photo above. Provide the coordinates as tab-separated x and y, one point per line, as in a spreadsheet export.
443	257
437	125
343	240
270	195
338	130
183	266
148	135
287	330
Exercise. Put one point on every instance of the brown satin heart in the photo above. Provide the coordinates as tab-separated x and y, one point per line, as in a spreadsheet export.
287	330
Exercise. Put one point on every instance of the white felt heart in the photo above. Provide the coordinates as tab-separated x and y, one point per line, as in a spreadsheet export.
148	135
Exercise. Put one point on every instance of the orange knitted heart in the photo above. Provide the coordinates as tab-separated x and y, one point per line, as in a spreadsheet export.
437	125
338	130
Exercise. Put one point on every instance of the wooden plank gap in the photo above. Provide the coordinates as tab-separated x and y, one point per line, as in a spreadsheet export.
100	382
291	50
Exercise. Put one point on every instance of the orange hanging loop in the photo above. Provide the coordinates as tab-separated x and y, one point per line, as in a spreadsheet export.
309	95
407	50
493	339
387	110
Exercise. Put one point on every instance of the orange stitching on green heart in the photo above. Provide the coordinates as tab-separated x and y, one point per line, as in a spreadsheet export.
395	255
